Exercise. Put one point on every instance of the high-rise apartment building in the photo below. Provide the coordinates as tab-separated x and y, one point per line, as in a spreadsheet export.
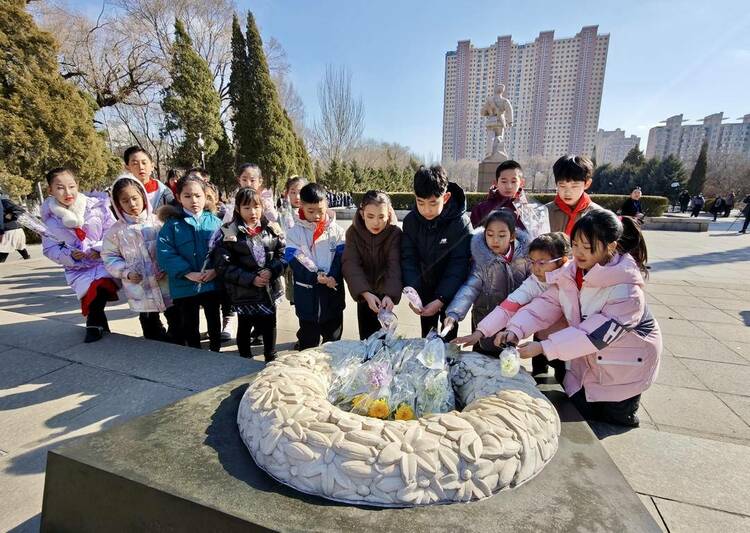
554	85
685	141
613	146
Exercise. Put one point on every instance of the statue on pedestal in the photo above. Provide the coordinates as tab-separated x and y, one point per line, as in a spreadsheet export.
499	113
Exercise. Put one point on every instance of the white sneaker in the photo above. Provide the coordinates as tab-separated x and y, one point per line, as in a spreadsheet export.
229	327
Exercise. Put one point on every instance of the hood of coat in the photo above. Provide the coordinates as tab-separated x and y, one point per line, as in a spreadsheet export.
116	208
166	212
453	209
482	255
363	233
622	269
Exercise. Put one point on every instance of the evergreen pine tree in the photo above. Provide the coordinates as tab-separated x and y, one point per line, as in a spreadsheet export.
635	157
45	121
192	104
263	132
698	177
221	164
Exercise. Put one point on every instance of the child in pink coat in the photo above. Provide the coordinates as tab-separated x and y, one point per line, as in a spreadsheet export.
612	346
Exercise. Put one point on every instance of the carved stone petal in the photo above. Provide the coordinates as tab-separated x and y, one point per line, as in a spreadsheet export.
390	484
408	467
390	454
454	423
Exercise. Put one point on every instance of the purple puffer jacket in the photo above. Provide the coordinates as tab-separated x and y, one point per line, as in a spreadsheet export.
97	219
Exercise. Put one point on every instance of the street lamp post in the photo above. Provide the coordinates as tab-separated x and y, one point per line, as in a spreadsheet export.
202	145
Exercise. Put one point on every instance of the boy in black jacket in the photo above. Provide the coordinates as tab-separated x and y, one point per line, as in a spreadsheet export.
435	246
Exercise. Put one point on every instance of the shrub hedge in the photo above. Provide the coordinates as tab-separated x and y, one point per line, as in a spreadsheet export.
653	206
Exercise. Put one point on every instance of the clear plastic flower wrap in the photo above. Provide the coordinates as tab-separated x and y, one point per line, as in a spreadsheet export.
388	320
413	297
510	361
534	216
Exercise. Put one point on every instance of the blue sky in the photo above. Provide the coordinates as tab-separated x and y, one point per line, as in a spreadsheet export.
665	57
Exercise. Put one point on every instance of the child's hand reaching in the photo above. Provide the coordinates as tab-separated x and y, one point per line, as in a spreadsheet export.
195	277
505	337
259	281
468	340
373	302
134	277
530	349
208	275
432	308
386	303
330	282
265	274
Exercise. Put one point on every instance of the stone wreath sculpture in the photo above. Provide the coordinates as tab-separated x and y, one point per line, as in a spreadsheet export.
503	437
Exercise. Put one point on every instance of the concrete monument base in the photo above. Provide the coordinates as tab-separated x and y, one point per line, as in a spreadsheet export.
184	468
486	173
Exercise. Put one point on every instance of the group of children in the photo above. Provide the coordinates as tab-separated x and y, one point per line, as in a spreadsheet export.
587	313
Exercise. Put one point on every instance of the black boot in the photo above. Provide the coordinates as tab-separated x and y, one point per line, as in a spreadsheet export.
93	333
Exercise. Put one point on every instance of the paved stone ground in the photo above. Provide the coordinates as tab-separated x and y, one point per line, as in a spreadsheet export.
690	460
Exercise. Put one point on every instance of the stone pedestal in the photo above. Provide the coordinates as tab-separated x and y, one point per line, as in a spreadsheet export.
486	176
185	468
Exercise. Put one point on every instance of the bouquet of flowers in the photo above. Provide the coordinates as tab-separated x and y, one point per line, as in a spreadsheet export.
30	222
394	378
534	215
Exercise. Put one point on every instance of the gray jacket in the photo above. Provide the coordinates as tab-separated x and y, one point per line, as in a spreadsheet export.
491	280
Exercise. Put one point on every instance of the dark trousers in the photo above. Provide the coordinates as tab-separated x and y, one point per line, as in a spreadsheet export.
747	221
152	327
310	333
189	308
696	211
174	323
96	316
621	413
366	320
4	255
262	325
431	322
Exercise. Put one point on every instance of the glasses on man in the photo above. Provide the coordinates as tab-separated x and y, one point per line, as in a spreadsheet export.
542	262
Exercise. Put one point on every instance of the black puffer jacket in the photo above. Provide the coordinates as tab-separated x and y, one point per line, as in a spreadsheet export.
436	254
9	215
237	267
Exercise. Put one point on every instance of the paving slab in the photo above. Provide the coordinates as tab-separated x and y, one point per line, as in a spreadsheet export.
739	404
693	409
685	518
729	305
726	332
683	300
673	372
160	362
648	501
685	468
20	366
705	315
706	349
37	334
682	328
722	377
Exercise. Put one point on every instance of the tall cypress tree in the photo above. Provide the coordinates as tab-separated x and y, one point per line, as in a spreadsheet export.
698	177
221	164
192	103
44	120
263	132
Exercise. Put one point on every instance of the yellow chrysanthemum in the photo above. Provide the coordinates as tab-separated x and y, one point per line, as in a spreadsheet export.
360	401
404	412
379	409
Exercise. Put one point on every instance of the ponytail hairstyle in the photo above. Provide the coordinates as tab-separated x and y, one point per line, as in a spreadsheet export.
505	216
245	196
602	227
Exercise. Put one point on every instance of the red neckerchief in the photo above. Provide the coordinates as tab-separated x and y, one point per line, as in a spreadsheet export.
151	186
320	227
579	278
509	256
80	234
583	202
251	232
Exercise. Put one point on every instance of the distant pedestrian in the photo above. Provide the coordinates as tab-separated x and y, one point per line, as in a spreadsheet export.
632	206
718	207
698	202
729	204
12	236
684	201
746	212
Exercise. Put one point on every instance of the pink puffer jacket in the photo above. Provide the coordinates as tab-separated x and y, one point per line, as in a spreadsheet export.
612	344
